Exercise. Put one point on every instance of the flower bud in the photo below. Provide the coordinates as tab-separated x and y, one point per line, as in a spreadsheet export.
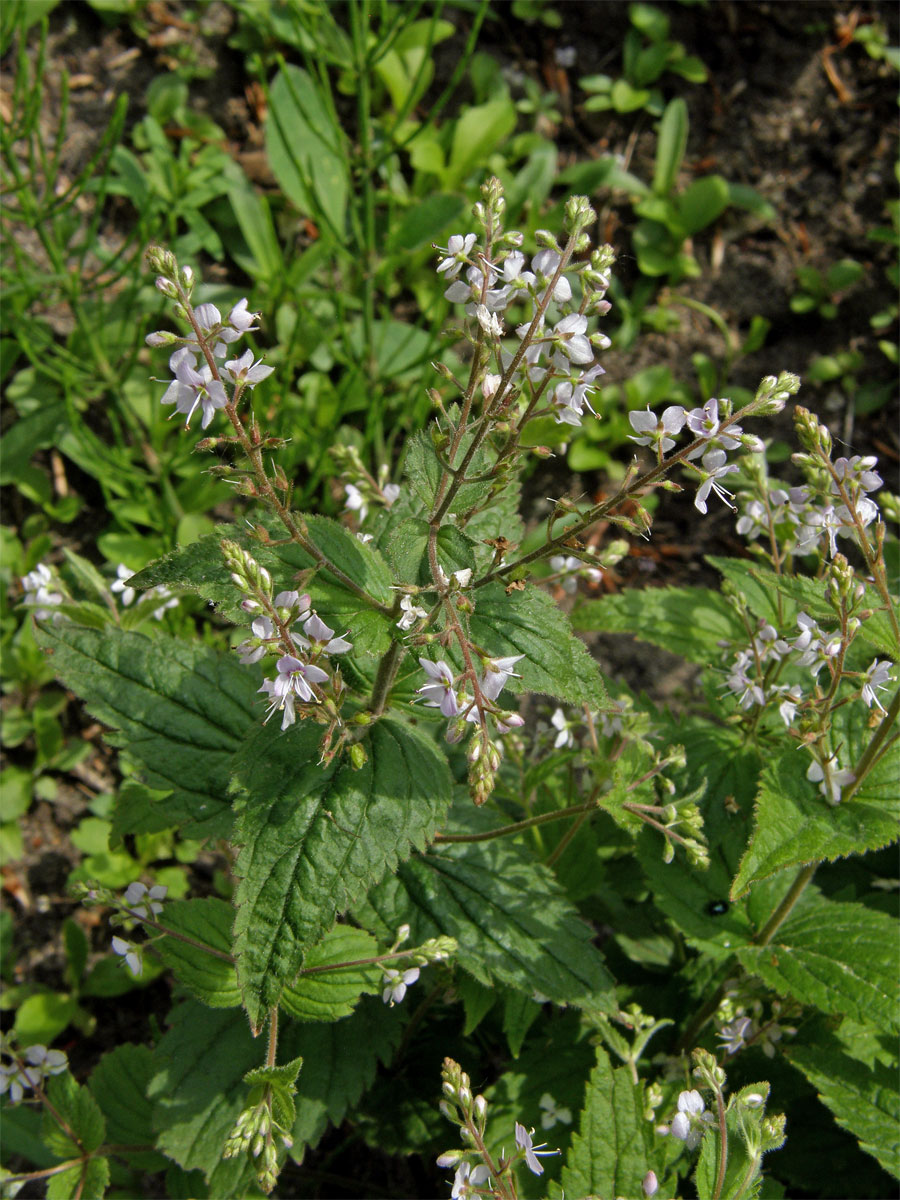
167	287
650	1184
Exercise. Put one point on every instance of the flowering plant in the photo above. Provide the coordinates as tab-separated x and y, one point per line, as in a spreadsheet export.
375	755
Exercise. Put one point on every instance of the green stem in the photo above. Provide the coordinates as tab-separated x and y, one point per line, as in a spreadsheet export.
783	910
723	1145
573	810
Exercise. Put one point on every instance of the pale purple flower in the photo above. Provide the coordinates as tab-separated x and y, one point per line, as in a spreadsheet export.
131	955
650	1184
734	1035
395	984
657	432
320	638
860	470
390	493
715	469
279	701
496	673
247	372
17	1082
191	388
138	892
439	693
788	707
296	676
121	584
704	423
489	322
48	1062
878	675
161	592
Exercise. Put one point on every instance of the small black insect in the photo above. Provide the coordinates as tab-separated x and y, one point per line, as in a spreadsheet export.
715	908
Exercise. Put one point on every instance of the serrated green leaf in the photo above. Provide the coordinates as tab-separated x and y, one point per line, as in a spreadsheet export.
741	1180
79	1110
519	1013
508	914
795	825
556	662
198	1087
863	1099
686	621
201	568
87	1181
285	1075
424	472
314	838
330	995
840	958
759	591
339	1063
408	550
212	979
180	709
609	1156
119	1085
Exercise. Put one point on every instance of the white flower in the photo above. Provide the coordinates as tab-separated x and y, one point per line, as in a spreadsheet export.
37	590
687	1122
714	469
650	1184
240	319
565	736
830	778
523	1141
395	984
705	423
489	322
466	1178
878	675
458	249
552	1114
48	1062
411	613
390	492
355	500
131	954
121	584
137	891
569	335
191	387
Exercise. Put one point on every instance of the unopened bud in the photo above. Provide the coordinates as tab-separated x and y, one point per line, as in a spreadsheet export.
358	756
542	452
650	1184
167	287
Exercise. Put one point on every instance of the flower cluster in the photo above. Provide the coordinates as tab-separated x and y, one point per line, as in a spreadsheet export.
446	692
39	586
27	1072
128	594
715	434
298	678
553	369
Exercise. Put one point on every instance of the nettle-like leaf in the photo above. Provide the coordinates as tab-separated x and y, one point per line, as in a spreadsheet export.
528	622
119	1085
687	621
863	1098
86	1181
610	1154
510	917
209	977
79	1112
841	958
330	995
407	546
180	709
796	825
762	598
314	838
198	1089
424	471
201	568
340	1060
